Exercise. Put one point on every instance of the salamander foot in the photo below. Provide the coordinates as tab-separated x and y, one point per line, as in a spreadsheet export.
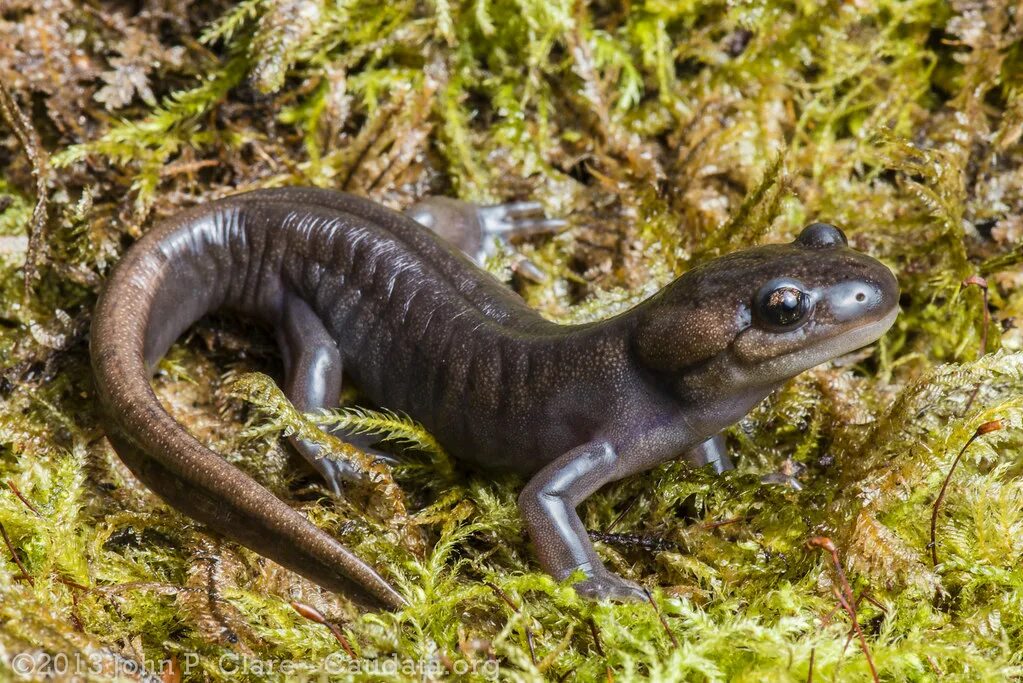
517	219
337	472
500	223
605	585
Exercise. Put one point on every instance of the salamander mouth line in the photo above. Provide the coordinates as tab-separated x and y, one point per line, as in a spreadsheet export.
872	331
847	340
841	341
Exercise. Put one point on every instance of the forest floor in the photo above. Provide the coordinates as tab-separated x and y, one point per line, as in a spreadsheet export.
666	133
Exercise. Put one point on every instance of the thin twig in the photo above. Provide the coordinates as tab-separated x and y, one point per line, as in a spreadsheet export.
76	620
873	601
856	605
724	522
600	650
653	543
28	138
515	608
826	544
314	615
987	427
73	584
852	631
664	623
859	632
187	167
845	596
621	515
23	499
14	556
501	594
825	621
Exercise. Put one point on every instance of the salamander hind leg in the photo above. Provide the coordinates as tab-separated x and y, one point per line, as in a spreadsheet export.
477	229
312	381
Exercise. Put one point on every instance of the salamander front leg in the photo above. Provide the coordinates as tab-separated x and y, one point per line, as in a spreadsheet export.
712	452
312	381
477	229
548	504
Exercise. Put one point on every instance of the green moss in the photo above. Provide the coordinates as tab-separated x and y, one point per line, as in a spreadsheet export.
667	133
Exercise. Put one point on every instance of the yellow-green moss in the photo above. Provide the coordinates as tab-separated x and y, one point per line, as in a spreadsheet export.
667	133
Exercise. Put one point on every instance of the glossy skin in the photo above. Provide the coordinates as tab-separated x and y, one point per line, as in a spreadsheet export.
351	285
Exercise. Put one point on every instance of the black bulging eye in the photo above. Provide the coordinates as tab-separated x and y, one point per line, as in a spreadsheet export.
782	305
821	235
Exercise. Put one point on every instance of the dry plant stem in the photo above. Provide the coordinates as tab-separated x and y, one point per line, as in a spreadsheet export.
851	610
826	544
188	167
873	601
23	499
845	596
600	650
14	556
73	616
986	428
664	623
28	138
213	599
515	608
852	631
856	606
314	615
838	605
652	543
725	522
621	515
73	584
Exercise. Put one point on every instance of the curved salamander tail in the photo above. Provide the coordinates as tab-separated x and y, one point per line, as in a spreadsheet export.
152	284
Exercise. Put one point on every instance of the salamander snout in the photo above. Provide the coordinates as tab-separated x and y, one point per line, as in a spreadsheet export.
864	299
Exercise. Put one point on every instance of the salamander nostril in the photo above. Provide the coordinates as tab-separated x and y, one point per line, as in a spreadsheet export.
852	299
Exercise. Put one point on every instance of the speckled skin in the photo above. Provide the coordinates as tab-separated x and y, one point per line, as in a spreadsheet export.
420	329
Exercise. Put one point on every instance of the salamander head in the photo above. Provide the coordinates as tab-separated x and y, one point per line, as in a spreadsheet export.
760	316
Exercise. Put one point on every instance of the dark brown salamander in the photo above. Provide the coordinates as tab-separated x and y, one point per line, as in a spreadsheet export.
350	285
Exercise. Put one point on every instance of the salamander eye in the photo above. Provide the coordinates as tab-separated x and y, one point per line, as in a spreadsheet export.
821	235
782	304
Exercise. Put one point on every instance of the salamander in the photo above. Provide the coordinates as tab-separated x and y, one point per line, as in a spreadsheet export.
391	301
